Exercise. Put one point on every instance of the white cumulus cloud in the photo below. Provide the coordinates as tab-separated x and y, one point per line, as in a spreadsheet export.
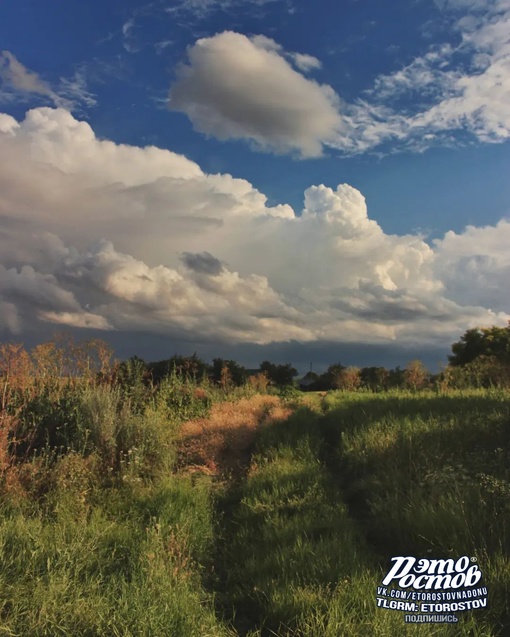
235	87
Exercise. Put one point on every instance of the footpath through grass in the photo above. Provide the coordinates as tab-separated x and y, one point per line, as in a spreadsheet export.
350	481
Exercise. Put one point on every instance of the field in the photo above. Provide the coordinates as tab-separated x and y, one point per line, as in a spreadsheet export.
238	514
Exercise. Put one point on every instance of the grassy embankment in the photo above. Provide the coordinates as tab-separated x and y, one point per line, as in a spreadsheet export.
138	525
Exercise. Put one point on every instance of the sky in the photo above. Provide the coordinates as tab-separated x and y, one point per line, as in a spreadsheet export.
255	179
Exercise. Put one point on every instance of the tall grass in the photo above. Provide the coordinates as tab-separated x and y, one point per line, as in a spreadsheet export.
129	565
98	533
337	490
433	470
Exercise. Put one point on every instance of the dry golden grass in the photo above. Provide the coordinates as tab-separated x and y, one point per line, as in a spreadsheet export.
221	444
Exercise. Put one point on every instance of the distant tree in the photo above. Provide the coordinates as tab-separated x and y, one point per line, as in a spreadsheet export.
483	371
481	358
415	375
349	379
190	367
216	370
279	374
237	372
396	377
375	378
488	371
331	379
222	369
310	381
159	370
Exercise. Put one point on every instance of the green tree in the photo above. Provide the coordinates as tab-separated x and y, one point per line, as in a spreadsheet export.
375	378
482	355
186	367
279	374
482	341
222	369
331	379
396	377
310	381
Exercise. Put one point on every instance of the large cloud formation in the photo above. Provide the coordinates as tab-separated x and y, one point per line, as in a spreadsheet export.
99	235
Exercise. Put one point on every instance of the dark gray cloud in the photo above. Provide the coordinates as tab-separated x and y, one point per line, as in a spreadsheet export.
373	302
204	263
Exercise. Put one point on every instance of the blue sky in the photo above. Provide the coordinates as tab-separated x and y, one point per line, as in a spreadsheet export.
210	243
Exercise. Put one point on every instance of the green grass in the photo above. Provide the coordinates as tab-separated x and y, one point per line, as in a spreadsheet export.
130	566
338	490
290	539
105	537
98	535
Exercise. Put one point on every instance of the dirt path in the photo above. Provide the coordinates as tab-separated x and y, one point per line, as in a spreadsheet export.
221	444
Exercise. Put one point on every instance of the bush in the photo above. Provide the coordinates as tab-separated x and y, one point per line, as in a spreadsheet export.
288	393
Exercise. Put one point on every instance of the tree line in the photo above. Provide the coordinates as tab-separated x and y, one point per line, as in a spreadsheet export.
480	358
